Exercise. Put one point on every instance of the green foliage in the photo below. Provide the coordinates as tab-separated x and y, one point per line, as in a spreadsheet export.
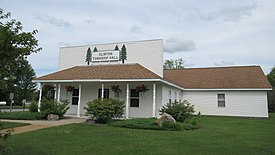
123	54
4	135
104	110
33	107
271	94
15	45
116	48
22	115
271	77
181	111
7	125
174	64
53	107
88	56
137	123
218	136
149	124
95	49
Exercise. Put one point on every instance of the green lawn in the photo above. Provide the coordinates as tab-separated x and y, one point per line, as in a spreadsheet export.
13	107
7	125
219	135
21	115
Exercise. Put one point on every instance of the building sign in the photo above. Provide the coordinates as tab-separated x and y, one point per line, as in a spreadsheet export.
110	55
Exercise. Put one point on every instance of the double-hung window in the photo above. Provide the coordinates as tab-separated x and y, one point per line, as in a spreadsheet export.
134	100
221	100
75	97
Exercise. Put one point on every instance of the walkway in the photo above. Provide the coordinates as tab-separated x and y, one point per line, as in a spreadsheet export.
40	124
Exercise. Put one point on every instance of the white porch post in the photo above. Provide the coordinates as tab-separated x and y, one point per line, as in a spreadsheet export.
40	96
127	101
55	92
154	99
102	91
79	100
58	94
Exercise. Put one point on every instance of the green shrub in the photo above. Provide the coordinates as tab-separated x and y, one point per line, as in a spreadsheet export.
104	110
149	124
181	111
22	115
137	123
33	107
195	119
52	107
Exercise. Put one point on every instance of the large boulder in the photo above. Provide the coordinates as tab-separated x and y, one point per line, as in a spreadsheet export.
165	118
90	121
52	117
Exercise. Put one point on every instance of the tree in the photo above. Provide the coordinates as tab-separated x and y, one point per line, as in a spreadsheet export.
123	54
89	56
116	48
271	77
174	64
14	43
24	75
95	49
271	94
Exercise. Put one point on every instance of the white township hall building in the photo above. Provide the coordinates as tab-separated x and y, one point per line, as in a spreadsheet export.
224	91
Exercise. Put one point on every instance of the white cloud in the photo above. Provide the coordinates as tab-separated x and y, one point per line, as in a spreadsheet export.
231	13
54	21
135	29
177	44
224	63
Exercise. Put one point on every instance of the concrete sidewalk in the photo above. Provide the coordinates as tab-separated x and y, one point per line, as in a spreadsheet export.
40	124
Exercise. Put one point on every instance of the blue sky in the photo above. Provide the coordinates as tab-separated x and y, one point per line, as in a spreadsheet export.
202	32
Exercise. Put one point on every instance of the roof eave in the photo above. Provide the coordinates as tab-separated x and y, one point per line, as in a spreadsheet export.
225	89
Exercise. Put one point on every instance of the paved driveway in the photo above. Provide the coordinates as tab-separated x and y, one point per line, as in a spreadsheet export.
40	124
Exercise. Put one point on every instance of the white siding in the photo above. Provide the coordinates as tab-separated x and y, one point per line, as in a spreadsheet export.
237	103
90	92
175	95
148	53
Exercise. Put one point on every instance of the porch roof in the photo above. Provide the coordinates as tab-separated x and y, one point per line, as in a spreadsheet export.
119	71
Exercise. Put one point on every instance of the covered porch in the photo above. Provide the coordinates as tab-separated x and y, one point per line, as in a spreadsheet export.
137	104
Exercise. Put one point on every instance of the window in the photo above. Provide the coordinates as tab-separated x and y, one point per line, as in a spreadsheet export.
105	94
134	101
75	97
221	100
176	96
170	97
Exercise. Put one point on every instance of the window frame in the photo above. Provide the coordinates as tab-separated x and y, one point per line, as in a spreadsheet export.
134	97
221	100
106	93
75	96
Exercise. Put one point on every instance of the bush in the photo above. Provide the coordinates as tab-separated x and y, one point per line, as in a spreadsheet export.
52	107
178	126
104	110
181	111
137	123
149	124
33	107
22	115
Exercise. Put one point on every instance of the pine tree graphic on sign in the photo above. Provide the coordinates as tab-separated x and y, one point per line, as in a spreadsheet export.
123	54
88	56
116	48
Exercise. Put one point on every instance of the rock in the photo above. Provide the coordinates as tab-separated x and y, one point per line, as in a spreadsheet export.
52	117
90	121
165	118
